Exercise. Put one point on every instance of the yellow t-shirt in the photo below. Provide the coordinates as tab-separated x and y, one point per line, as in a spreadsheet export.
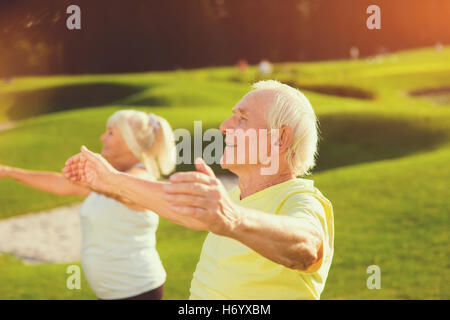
228	269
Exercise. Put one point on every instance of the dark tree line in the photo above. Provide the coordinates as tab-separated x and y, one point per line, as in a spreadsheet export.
132	35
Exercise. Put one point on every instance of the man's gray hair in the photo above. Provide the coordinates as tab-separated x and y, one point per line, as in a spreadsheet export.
291	108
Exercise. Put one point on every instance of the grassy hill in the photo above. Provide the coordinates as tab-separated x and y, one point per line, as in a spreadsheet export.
383	162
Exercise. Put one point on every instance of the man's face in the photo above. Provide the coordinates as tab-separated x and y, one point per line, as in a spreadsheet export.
243	134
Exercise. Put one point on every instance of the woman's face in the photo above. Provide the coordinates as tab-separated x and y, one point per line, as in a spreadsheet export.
114	146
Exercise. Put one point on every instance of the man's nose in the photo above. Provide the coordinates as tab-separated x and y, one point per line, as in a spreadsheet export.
226	125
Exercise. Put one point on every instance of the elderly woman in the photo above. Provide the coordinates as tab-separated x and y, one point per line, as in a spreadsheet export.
272	236
118	254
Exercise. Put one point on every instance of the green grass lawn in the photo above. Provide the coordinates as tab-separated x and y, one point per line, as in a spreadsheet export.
383	162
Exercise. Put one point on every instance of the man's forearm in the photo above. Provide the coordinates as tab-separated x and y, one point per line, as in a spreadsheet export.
142	192
282	239
149	194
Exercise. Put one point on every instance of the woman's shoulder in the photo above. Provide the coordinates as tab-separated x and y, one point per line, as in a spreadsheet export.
140	171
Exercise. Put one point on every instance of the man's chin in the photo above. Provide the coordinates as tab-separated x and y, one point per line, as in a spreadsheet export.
229	166
224	165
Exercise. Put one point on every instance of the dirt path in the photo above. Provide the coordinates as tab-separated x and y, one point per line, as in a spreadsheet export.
52	236
47	236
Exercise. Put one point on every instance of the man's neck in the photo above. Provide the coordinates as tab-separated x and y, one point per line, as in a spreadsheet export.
251	181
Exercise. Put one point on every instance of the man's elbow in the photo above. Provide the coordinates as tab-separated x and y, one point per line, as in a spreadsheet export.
308	257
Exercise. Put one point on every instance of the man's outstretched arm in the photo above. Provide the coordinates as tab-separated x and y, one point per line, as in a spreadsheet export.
92	170
286	240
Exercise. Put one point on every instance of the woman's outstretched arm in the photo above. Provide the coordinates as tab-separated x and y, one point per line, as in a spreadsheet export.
51	182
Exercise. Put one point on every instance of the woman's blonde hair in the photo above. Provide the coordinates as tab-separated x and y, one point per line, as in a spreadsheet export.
149	137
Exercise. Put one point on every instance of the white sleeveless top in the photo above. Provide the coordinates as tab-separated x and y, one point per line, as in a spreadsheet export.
118	253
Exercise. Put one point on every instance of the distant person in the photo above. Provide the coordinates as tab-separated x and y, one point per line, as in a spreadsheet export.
271	237
354	53
242	65
265	67
118	254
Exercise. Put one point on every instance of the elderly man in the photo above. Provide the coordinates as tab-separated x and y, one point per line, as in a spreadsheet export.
269	238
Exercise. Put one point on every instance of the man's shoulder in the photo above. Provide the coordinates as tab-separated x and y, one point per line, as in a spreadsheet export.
303	193
296	188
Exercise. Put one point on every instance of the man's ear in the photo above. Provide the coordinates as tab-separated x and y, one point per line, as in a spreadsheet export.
285	137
